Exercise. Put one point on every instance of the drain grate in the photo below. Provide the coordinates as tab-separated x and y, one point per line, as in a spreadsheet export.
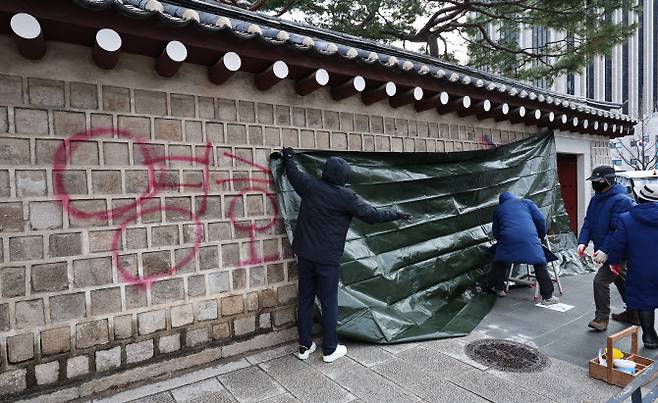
505	355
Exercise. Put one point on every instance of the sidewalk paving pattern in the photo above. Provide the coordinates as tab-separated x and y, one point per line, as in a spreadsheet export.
434	371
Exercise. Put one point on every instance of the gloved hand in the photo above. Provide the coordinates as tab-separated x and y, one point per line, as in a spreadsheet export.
275	155
581	250
403	216
615	269
288	152
600	257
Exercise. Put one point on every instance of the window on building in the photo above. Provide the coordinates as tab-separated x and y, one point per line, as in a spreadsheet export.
655	55
590	81
624	68
640	59
633	143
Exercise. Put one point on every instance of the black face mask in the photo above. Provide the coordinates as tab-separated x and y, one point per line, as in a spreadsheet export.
599	186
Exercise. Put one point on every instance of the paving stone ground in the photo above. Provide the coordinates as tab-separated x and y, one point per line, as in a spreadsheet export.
433	371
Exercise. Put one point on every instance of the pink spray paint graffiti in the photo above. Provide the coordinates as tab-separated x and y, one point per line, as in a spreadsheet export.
156	170
487	142
253	229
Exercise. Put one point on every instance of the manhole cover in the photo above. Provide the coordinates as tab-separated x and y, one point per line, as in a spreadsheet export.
505	355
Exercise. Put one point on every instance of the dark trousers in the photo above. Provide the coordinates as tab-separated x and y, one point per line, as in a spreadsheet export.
499	273
604	277
321	280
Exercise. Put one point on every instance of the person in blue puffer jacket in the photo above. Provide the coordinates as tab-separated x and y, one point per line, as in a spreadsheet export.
519	226
636	238
607	204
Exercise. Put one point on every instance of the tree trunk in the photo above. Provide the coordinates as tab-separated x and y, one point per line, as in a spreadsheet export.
433	45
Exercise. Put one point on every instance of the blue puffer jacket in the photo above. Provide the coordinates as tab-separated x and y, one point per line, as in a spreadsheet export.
602	214
518	226
636	238
327	209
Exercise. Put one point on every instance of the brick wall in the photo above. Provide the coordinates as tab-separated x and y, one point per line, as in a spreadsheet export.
133	153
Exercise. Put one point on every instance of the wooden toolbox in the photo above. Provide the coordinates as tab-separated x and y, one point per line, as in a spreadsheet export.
610	374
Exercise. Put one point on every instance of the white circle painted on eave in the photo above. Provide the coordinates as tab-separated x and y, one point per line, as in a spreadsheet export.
25	26
322	76
466	102
176	51
486	105
280	69
108	39
359	83
232	61
391	88
418	93
444	98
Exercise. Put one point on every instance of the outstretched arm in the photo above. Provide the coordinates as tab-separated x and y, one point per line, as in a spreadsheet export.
299	180
364	211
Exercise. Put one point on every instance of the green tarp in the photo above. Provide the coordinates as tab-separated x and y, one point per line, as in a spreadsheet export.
421	279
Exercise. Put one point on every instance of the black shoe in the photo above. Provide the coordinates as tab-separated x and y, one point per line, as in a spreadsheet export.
649	336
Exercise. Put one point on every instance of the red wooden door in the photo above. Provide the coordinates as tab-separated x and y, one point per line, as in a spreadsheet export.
567	170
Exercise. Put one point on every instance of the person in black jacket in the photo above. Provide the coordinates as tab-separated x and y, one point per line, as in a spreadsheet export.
325	215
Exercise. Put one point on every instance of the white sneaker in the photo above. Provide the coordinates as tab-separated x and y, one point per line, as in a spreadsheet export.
303	353
340	351
551	301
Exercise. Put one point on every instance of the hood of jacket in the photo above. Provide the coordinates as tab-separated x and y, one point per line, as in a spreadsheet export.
505	196
646	213
336	171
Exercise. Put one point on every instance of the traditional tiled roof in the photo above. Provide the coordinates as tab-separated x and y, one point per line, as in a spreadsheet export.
214	17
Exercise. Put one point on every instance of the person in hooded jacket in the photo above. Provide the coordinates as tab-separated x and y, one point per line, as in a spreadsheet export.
607	204
325	214
519	226
636	239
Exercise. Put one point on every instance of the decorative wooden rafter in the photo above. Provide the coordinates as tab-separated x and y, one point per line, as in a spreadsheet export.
350	87
413	95
312	82
107	48
272	75
458	104
171	59
225	67
379	93
28	36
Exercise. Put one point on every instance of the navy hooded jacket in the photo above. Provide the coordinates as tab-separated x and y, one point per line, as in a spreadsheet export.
636	239
326	211
602	213
518	226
